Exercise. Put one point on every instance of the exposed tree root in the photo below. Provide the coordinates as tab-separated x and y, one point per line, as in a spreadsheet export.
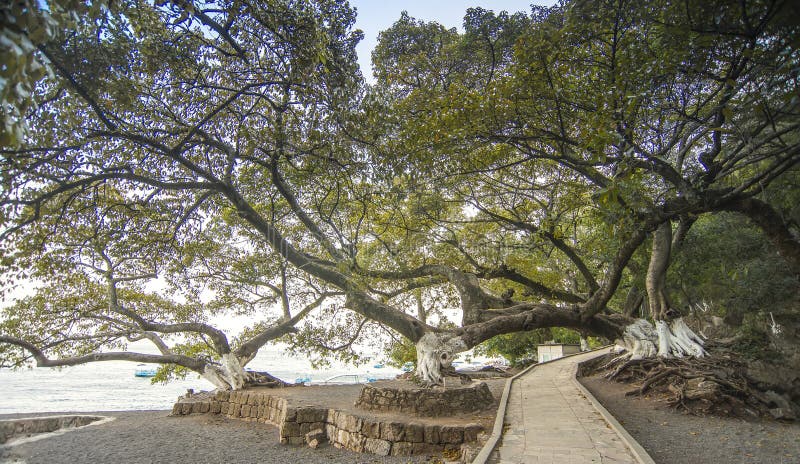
712	385
263	379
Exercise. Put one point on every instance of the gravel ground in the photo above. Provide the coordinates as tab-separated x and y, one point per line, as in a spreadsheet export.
150	437
671	437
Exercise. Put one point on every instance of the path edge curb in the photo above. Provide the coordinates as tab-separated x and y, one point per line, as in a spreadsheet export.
636	449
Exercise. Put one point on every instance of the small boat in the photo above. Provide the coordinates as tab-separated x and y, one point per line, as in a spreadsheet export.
303	380
143	370
407	367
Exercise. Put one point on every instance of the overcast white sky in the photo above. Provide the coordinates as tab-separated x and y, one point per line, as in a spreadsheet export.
377	15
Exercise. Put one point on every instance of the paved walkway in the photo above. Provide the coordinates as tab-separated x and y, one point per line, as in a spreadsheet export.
550	420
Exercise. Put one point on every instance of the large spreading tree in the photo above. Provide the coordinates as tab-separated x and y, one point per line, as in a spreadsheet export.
523	170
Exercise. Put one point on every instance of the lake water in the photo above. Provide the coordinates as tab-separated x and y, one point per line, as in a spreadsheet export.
111	385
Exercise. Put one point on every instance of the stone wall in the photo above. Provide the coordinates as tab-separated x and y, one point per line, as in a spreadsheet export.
31	425
427	402
342	429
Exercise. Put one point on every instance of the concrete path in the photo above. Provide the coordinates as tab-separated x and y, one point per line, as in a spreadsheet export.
550	420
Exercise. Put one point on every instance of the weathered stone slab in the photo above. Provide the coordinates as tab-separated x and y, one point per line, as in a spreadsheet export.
432	434
315	438
377	446
415	433
290	429
371	428
471	432
312	415
402	448
449	434
433	402
393	431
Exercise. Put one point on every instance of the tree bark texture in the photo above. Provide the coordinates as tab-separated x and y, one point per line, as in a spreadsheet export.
656	279
434	352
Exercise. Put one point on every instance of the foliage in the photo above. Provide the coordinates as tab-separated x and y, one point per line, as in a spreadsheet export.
754	343
168	372
727	261
513	174
25	26
401	351
102	240
519	346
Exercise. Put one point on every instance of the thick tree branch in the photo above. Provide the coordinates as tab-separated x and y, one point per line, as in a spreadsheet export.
775	228
43	361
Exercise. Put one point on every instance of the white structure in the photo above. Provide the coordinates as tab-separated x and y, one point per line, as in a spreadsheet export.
551	351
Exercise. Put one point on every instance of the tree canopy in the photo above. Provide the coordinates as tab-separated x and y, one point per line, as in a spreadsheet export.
527	171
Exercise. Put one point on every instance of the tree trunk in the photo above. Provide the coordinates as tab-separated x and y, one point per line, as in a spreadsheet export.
655	282
675	338
435	351
228	375
633	302
422	313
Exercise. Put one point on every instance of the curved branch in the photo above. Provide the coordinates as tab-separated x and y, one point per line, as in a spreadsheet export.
213	25
347	343
600	298
529	316
361	302
280	183
252	345
513	275
219	338
78	88
557	242
43	361
771	222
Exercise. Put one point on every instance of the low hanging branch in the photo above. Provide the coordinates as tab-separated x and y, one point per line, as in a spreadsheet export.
43	361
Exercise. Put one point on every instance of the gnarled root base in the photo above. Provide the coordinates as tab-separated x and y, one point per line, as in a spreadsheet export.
263	379
436	352
714	384
643	341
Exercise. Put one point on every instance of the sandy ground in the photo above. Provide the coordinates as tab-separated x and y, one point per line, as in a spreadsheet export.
150	437
671	437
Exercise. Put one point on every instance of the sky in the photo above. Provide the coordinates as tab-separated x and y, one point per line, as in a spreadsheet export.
376	15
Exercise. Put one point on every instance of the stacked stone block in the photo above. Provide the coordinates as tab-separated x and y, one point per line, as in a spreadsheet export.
12	428
343	430
427	402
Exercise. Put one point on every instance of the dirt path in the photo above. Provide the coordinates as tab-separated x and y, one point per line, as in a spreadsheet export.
671	437
150	437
